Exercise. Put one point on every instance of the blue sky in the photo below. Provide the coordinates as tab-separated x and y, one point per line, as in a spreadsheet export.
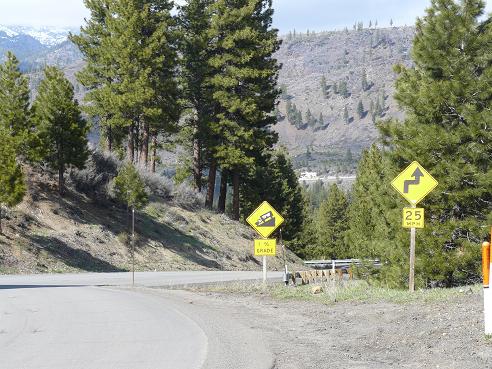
299	14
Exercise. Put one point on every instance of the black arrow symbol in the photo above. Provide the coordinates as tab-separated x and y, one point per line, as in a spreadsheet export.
417	174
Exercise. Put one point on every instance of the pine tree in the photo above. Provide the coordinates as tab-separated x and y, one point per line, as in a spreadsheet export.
360	109
343	89
244	85
11	176
310	119
324	87
331	226
345	115
130	50
366	216
15	113
391	23
130	188
194	19
447	106
61	128
365	84
276	181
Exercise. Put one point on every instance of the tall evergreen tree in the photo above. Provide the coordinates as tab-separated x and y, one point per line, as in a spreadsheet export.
11	176
244	85
194	19
369	229
331	226
345	115
447	99
130	47
364	82
15	113
276	182
324	87
360	109
61	128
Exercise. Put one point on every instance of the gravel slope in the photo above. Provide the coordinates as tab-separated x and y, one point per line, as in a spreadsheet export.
359	335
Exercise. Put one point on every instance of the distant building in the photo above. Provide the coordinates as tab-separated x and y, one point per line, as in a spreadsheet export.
309	176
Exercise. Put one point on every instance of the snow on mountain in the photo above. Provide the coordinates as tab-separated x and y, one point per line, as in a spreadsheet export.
8	31
47	36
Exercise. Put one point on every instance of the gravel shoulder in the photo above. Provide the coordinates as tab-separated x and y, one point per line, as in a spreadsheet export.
439	334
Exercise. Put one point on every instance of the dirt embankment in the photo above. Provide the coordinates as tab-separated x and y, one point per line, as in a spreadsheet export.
50	234
377	335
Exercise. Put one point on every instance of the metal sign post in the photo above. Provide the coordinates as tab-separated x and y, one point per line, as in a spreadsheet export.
414	184
133	246
411	277
264	248
264	269
265	220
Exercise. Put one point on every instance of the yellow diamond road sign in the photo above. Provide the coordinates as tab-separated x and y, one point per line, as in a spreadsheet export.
414	183
265	220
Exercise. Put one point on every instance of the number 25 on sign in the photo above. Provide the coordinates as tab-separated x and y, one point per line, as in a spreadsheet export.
413	218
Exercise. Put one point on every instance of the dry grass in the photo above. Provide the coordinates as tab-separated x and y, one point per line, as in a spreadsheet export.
347	291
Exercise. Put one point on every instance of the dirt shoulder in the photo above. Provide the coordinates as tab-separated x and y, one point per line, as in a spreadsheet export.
439	334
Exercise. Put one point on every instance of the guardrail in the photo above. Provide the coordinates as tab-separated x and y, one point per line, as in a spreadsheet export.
339	264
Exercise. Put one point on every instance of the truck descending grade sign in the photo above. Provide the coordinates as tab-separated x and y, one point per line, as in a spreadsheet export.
265	220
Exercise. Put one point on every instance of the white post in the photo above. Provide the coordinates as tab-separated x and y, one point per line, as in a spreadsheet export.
133	246
487	306
411	276
264	269
487	291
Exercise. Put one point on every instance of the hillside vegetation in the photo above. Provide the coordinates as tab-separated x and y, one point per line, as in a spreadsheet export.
87	231
325	74
340	57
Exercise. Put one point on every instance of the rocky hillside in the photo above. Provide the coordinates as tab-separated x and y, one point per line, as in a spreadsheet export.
38	46
84	231
326	73
335	86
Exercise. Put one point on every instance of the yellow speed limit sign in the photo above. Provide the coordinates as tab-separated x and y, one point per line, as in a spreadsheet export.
413	218
265	247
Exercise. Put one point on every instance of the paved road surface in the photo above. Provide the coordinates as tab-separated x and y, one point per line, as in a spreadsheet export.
89	321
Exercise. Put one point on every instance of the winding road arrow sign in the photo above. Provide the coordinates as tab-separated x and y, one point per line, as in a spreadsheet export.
414	183
417	174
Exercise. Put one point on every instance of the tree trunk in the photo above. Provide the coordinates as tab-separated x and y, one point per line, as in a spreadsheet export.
61	181
131	144
109	138
223	192
209	202
144	153
235	198
197	164
153	163
137	142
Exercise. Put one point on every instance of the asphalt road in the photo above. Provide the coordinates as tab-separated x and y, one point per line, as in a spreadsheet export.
96	321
